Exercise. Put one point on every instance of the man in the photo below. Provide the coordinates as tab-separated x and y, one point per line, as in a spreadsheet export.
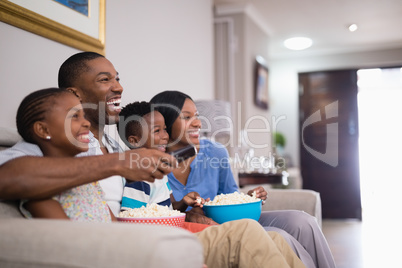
56	175
95	81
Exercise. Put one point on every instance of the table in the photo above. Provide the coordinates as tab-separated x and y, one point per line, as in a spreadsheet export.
263	178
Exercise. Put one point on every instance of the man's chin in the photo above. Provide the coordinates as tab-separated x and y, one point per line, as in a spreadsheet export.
112	120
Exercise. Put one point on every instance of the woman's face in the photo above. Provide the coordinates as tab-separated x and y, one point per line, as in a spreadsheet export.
186	128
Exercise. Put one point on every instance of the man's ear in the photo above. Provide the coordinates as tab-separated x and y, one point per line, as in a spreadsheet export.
134	141
76	92
41	130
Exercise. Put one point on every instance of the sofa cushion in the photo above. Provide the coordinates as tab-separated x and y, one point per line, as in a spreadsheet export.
61	243
9	209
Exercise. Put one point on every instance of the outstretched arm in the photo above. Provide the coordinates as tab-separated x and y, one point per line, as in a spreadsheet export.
43	177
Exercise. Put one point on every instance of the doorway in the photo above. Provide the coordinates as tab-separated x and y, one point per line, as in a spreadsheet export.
380	142
378	103
329	159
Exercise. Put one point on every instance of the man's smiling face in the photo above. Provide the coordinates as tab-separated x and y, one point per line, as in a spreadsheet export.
100	92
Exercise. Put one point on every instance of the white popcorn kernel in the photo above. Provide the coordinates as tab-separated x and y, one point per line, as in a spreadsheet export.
150	211
231	199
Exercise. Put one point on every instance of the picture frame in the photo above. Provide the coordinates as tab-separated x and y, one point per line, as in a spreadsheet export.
261	75
59	22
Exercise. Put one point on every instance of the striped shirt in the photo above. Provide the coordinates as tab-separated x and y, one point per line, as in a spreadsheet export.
141	193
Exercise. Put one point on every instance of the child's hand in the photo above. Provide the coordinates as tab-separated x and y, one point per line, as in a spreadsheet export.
193	199
259	193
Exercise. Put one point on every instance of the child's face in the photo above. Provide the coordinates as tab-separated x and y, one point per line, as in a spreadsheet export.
155	131
67	126
186	128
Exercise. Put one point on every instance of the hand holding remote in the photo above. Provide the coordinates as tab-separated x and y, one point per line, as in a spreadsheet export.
184	153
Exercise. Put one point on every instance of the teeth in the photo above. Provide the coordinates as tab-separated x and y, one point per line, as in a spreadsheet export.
114	102
84	137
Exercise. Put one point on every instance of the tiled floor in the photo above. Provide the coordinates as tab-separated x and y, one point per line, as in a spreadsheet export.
369	243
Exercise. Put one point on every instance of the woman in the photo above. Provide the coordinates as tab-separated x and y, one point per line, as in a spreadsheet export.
209	174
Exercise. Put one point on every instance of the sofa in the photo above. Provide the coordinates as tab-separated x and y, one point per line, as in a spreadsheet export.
58	243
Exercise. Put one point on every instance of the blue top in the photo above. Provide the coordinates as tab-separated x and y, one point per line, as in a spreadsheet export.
210	173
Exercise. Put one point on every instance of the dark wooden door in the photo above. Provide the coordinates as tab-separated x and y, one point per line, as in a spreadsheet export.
329	154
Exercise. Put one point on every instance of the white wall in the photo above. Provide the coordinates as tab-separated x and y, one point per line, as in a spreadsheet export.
27	62
161	45
155	45
249	41
284	94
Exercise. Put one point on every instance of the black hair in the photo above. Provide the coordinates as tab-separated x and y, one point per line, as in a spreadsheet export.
169	103
129	120
74	66
33	108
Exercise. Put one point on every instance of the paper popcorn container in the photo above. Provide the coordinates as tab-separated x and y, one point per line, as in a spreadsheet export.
175	221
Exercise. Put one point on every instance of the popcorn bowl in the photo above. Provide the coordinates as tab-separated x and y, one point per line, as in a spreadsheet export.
224	213
175	221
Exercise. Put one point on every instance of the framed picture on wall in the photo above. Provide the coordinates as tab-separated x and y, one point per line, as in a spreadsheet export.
79	24
261	83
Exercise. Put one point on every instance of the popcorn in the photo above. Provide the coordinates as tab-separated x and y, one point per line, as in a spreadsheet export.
231	199
150	211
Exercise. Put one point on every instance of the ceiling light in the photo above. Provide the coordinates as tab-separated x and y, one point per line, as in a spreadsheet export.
298	43
353	27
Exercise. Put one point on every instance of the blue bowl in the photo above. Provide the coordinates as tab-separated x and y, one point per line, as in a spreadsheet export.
224	213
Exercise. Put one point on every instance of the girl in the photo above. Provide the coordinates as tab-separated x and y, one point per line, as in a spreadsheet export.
209	174
53	119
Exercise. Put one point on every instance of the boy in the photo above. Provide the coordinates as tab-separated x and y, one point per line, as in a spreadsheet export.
141	126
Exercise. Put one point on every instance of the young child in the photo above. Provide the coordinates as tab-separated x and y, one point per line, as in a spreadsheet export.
53	119
142	126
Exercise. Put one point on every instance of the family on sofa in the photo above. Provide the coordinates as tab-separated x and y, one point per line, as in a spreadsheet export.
293	239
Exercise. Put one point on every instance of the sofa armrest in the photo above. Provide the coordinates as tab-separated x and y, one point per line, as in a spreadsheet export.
308	201
60	243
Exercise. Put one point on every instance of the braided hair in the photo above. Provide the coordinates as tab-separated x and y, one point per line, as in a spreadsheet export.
169	104
33	108
74	66
130	120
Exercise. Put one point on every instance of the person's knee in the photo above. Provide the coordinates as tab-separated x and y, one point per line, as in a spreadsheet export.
297	218
248	222
301	224
247	225
305	218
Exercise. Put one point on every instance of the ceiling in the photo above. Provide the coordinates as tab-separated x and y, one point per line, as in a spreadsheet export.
326	22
